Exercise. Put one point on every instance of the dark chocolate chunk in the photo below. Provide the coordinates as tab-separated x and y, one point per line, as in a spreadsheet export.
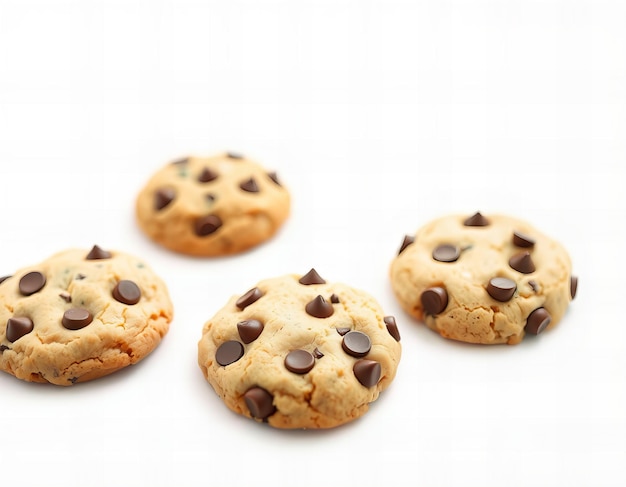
408	240
274	177
434	300
476	220
76	318
342	330
229	352
501	288
522	262
17	327
206	225
522	240
356	344
3	347
4	278
311	277
97	253
299	361
367	372
207	175
250	186
249	330
31	283
259	402
334	298
250	297
65	296
392	327
319	308
163	197
537	321
317	353
446	253
234	155
184	160
127	292
573	286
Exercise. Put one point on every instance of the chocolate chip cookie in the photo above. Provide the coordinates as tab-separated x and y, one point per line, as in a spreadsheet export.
483	279
80	315
298	352
212	206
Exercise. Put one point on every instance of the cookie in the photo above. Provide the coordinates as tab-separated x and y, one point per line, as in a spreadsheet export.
483	279
298	352
80	315
212	206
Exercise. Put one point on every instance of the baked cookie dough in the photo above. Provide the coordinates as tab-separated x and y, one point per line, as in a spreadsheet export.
298	352
483	279
80	315
212	206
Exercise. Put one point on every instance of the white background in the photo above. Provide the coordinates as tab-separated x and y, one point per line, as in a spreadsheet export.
378	116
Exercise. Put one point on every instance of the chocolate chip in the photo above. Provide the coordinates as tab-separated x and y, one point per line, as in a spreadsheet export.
367	372
209	197
234	155
65	296
97	253
229	352
249	330
4	278
573	286
476	220
434	300
342	330
207	225
184	160
250	186
334	298
446	253
537	321
392	327
207	175
317	353
31	283
274	177
80	277
127	292
259	402
163	197
522	240
501	288
522	262
76	318
3	348
17	327
311	277
356	344
408	240
299	361
250	297
533	285
319	308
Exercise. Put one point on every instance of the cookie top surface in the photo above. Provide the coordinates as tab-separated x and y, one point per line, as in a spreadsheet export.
483	279
298	352
79	315
211	206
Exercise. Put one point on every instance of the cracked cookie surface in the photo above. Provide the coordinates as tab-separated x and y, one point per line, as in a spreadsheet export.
483	279
298	352
211	206
80	315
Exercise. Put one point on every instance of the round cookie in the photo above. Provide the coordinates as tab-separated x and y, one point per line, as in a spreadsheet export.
483	279
212	206
297	352
80	315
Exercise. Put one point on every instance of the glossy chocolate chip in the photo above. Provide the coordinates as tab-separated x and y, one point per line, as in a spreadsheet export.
317	353
207	175
163	197
183	160
392	327
408	240
17	327
573	286
259	403
522	262
434	300
234	155
76	318
274	177
319	308
522	240
476	220
311	277
446	253
249	330
299	361
537	321
334	298
31	283
229	352
4	278
97	253
356	344
367	372
127	292
65	296
249	186
501	288
206	225
342	330
250	297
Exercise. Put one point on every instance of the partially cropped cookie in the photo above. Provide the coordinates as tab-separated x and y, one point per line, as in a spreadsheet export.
212	206
483	279
80	315
298	352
